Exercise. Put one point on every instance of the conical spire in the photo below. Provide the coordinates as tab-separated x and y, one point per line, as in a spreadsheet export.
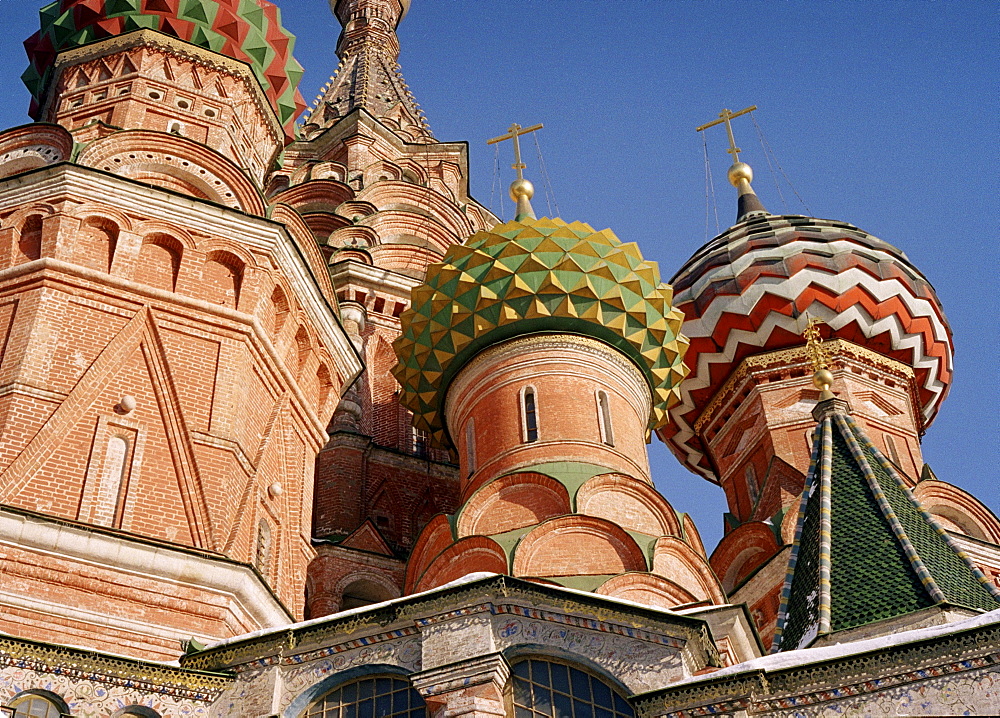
368	76
865	550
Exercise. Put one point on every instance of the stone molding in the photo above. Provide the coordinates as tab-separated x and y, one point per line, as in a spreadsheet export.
146	676
491	668
125	554
165	43
763	692
798	358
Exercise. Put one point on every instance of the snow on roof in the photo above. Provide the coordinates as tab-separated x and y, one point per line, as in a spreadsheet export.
468	578
805	656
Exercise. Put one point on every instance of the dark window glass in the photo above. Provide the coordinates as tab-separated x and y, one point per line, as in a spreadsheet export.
383	697
544	689
530	416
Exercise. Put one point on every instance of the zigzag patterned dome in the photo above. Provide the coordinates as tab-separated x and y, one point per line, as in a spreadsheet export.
246	30
748	290
533	276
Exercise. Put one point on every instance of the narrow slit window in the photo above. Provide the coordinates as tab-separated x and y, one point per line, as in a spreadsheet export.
604	418
752	488
890	446
529	414
470	445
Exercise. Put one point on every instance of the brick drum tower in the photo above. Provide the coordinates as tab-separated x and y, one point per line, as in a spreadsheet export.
546	352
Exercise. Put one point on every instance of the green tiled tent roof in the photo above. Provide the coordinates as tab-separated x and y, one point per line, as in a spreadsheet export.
865	550
537	275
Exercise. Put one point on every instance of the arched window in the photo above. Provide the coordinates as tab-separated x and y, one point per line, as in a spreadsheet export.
38	704
96	243
159	262
604	418
419	438
221	277
470	446
529	415
375	697
279	309
29	241
135	712
110	491
546	688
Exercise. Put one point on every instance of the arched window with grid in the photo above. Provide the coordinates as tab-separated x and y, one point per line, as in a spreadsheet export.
370	697
547	689
38	704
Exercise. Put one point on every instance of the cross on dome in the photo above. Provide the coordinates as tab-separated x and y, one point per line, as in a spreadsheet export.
521	190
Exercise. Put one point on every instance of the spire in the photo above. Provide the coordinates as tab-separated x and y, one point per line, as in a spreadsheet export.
740	175
822	376
369	75
521	190
865	550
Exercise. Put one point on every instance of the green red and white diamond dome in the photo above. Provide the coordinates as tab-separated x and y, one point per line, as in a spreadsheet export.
748	291
245	30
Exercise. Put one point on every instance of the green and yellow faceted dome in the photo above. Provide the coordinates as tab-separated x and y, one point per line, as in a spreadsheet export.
534	276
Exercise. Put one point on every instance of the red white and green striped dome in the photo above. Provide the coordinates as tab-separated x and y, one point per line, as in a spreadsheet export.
246	30
748	290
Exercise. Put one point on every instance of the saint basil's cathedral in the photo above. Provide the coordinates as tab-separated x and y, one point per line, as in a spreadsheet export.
291	425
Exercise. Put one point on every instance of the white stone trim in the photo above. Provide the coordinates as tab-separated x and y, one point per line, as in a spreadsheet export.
126	555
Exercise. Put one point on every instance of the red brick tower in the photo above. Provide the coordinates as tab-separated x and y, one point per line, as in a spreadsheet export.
383	199
744	420
171	350
544	352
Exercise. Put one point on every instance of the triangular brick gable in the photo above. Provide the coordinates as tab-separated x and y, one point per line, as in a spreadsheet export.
367	538
134	362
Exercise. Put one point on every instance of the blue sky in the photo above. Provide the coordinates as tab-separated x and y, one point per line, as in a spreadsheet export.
882	114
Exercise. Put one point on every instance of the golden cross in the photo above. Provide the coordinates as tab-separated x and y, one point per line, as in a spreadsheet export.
814	344
513	133
724	117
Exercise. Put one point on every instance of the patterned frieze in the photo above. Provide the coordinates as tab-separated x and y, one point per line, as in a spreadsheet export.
95	684
950	674
643	648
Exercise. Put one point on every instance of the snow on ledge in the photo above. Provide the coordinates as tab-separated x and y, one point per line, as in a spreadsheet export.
467	578
806	656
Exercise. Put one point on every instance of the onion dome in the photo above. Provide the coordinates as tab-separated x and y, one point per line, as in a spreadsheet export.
749	289
245	30
536	275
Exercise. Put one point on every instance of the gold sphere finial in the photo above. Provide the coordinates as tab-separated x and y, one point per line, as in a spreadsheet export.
521	188
738	172
823	379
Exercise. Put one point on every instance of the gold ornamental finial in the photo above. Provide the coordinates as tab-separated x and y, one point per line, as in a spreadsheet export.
740	174
822	376
521	190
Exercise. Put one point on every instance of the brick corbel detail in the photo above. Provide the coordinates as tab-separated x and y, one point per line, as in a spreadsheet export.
473	688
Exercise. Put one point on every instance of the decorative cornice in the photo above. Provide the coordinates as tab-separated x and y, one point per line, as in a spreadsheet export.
798	358
761	691
165	43
112	670
497	595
